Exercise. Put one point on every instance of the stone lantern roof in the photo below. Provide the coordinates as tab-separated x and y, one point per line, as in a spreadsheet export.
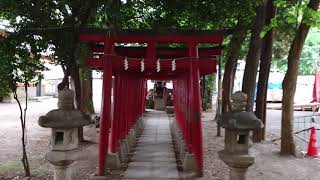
65	116
240	121
238	118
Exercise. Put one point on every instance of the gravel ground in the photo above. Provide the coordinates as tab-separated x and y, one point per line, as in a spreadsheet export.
38	145
269	164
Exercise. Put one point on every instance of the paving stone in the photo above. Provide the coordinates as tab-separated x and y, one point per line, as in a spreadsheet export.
147	164
145	172
154	157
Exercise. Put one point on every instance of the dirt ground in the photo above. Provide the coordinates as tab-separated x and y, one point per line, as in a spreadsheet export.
269	164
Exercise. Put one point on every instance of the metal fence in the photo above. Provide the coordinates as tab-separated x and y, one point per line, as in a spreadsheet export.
302	127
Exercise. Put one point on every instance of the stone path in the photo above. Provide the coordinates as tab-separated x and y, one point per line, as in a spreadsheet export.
154	157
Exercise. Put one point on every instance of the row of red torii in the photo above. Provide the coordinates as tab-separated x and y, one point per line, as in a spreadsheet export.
131	67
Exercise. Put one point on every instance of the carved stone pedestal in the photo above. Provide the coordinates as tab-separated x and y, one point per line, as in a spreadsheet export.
238	164
62	173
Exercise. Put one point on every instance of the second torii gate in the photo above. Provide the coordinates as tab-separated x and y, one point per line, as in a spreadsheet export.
115	55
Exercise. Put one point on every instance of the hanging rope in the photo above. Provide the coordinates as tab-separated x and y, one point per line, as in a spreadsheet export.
142	64
132	58
126	64
173	65
158	65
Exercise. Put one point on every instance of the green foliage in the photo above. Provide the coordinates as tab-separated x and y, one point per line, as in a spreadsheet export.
287	17
268	27
4	89
20	64
17	65
188	14
286	22
210	88
82	52
56	23
311	17
310	55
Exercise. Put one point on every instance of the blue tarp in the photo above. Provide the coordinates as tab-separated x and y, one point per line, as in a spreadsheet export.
274	85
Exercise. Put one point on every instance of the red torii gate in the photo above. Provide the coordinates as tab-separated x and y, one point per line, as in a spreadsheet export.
132	66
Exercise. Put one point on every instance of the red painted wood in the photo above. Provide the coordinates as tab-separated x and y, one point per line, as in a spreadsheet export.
193	49
145	92
192	52
188	114
151	51
196	120
123	107
162	53
206	66
106	112
105	118
127	110
131	86
130	90
119	89
139	100
116	115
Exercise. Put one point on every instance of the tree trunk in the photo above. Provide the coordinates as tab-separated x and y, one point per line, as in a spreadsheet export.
233	53
75	75
86	92
289	84
210	82
23	116
251	68
204	94
233	76
265	64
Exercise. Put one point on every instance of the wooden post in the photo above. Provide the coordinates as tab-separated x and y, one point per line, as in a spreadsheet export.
196	120
116	114
122	110
105	117
196	108
151	51
219	105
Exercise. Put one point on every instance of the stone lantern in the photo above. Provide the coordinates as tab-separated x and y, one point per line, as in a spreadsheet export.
64	123
238	123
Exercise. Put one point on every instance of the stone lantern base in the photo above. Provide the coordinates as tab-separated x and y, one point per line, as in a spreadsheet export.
62	173
113	161
61	160
238	164
188	162
94	177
